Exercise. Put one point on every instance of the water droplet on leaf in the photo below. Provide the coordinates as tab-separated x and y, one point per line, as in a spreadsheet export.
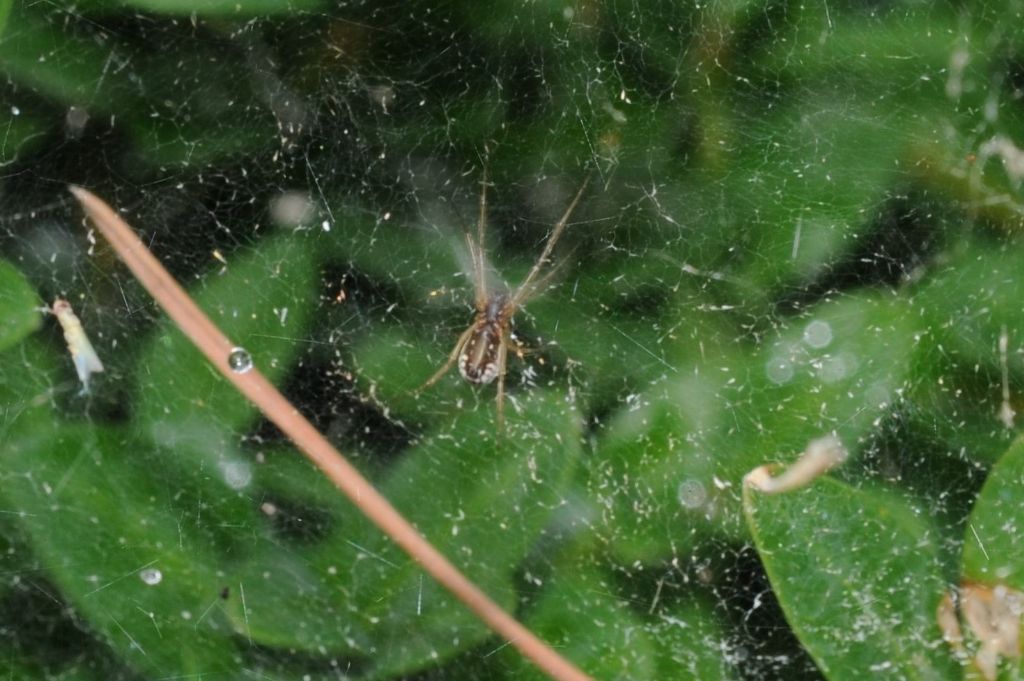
818	334
240	360
691	494
151	576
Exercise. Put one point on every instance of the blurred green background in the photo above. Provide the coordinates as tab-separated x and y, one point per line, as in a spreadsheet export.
803	219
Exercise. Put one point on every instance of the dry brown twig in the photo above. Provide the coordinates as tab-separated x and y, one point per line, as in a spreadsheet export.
253	385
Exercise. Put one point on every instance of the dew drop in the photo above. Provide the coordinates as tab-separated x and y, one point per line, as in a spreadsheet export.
779	370
75	121
691	494
294	209
237	474
151	576
835	369
818	334
877	394
240	360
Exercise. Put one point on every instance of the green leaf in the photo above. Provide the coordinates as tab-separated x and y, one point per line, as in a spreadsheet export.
651	508
168	124
16	557
422	260
166	141
579	615
993	547
483	500
392	364
143	582
805	196
692	643
620	327
858	574
958	411
845	50
277	573
673	464
19	306
834	370
5	11
18	666
195	417
263	301
971	299
969	304
500	491
23	130
23	57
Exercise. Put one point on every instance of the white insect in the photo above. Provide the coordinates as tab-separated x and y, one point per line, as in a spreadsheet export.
87	362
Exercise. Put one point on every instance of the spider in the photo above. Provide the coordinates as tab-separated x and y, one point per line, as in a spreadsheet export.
482	348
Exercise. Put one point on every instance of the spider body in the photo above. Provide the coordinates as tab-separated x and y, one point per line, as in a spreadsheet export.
481	355
481	350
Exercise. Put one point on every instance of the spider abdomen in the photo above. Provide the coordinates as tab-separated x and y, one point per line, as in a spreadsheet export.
479	359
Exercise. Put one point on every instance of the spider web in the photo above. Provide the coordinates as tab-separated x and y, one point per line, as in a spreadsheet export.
800	222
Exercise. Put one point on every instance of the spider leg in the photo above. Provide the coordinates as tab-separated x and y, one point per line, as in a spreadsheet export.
521	350
476	250
540	284
524	288
500	399
479	277
452	358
